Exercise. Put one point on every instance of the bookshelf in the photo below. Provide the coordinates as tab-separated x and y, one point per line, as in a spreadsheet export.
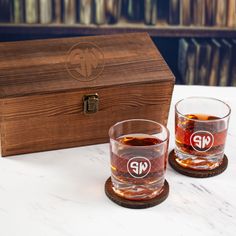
162	34
160	30
167	21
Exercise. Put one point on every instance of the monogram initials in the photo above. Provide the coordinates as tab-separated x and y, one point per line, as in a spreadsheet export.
202	141
138	167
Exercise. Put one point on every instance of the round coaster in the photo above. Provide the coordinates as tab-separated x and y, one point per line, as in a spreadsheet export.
196	173
133	204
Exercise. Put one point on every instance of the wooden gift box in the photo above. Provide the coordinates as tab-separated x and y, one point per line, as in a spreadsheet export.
61	93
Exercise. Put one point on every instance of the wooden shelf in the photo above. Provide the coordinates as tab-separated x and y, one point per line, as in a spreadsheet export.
162	30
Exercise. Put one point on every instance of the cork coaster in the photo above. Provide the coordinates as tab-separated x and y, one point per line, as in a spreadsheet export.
197	173
133	204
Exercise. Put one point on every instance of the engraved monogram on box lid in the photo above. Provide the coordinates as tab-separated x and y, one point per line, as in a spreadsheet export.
85	61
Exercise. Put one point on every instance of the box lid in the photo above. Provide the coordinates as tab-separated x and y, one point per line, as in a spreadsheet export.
67	64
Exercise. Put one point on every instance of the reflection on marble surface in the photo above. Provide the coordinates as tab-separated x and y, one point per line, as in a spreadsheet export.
60	193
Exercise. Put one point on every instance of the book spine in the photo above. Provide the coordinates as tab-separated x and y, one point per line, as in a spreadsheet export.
18	11
225	63
113	11
197	49
191	62
99	12
45	9
233	66
134	9
205	64
69	16
233	75
221	13
215	63
198	12
210	12
182	59
85	11
6	11
185	12
31	11
231	18
150	12
57	11
174	11
163	10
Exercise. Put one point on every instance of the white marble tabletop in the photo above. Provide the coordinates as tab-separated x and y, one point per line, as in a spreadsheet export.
61	193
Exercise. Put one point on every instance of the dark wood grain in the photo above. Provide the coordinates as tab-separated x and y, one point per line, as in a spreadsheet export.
42	106
39	66
156	31
53	121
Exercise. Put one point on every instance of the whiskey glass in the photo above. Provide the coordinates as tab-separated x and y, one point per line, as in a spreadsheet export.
138	158
201	126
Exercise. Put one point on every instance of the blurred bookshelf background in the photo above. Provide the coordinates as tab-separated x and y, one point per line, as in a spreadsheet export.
196	37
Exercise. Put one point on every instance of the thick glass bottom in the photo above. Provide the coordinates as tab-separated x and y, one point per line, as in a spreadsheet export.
137	191
209	162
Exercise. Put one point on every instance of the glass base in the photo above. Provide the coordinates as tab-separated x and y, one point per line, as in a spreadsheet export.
198	162
137	192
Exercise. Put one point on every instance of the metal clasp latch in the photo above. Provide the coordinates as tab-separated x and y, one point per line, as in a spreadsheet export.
91	102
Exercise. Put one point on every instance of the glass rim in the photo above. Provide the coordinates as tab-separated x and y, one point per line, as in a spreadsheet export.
142	120
207	98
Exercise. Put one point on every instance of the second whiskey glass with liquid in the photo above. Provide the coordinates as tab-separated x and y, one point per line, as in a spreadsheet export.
201	126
